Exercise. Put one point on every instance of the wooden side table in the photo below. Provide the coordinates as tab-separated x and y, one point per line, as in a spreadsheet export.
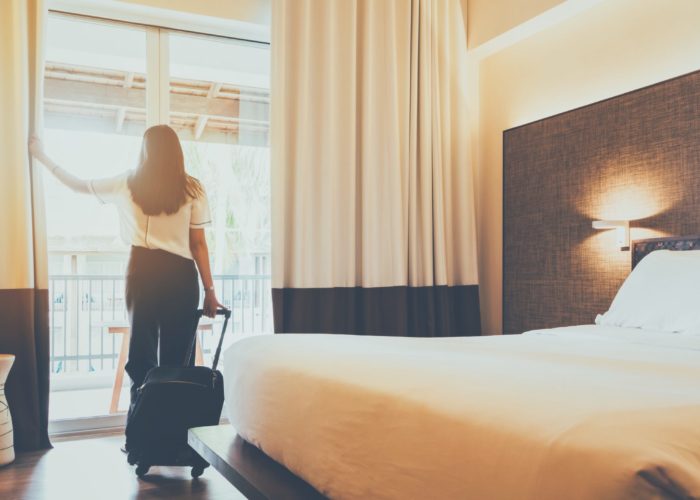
122	327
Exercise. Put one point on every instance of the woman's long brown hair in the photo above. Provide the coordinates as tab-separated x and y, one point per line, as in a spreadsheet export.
160	183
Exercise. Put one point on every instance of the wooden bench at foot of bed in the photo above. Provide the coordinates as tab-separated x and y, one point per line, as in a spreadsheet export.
247	468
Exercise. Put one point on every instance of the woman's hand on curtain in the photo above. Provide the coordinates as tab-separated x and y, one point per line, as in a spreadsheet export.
36	148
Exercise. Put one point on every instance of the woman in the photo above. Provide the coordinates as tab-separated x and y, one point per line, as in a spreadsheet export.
163	212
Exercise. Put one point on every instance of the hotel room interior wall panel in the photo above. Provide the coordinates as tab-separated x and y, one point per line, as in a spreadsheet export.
636	156
561	68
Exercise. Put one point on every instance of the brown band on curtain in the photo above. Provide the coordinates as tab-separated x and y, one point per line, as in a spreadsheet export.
429	311
24	332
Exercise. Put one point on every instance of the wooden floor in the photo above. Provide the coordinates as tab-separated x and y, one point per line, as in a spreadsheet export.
95	469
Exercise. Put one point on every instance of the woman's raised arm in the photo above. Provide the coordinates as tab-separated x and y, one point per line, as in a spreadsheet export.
36	148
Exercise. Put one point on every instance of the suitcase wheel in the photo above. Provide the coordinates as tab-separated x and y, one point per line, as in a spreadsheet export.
142	470
197	471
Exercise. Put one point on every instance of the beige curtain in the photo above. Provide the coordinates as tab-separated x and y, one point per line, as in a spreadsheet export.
372	195
23	260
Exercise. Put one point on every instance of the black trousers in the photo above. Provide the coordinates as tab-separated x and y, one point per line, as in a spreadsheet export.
162	295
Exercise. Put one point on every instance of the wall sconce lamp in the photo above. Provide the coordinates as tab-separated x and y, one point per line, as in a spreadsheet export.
622	231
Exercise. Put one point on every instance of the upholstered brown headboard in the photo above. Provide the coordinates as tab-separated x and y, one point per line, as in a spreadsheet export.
632	157
642	248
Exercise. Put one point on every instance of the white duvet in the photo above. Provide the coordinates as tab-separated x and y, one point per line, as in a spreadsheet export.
585	412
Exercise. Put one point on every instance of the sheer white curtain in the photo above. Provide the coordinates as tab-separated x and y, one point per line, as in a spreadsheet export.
23	259
372	195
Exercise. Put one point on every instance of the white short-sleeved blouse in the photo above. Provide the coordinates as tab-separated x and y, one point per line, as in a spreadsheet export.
165	232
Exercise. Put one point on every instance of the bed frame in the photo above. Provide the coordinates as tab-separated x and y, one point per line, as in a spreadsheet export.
246	467
642	248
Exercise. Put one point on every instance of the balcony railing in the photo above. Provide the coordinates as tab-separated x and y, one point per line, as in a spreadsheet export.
84	307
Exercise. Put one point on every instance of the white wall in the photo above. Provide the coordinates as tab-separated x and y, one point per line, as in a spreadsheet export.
613	47
487	19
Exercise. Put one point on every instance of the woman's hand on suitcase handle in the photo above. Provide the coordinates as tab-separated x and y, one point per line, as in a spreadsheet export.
211	304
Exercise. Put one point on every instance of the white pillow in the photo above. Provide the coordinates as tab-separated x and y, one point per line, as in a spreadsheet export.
662	293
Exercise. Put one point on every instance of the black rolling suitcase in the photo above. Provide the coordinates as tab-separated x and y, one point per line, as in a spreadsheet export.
171	401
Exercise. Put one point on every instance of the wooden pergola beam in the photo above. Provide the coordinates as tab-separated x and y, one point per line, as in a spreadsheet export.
121	97
135	127
199	126
214	90
129	80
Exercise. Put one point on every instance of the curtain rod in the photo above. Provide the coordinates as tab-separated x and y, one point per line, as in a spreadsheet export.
246	41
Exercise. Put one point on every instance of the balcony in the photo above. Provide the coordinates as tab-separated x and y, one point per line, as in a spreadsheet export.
87	313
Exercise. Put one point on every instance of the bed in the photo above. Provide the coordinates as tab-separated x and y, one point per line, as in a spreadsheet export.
610	410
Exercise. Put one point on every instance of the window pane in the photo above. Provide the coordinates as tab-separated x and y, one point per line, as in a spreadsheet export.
95	110
95	76
95	44
95	115
220	107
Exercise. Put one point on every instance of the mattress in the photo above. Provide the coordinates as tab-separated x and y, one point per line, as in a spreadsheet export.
585	412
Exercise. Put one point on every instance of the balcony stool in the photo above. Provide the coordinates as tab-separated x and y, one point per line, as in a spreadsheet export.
7	449
122	327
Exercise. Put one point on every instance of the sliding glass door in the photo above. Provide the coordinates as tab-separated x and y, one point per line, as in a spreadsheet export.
220	108
105	83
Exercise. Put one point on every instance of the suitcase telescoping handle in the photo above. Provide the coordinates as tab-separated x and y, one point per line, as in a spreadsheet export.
226	313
